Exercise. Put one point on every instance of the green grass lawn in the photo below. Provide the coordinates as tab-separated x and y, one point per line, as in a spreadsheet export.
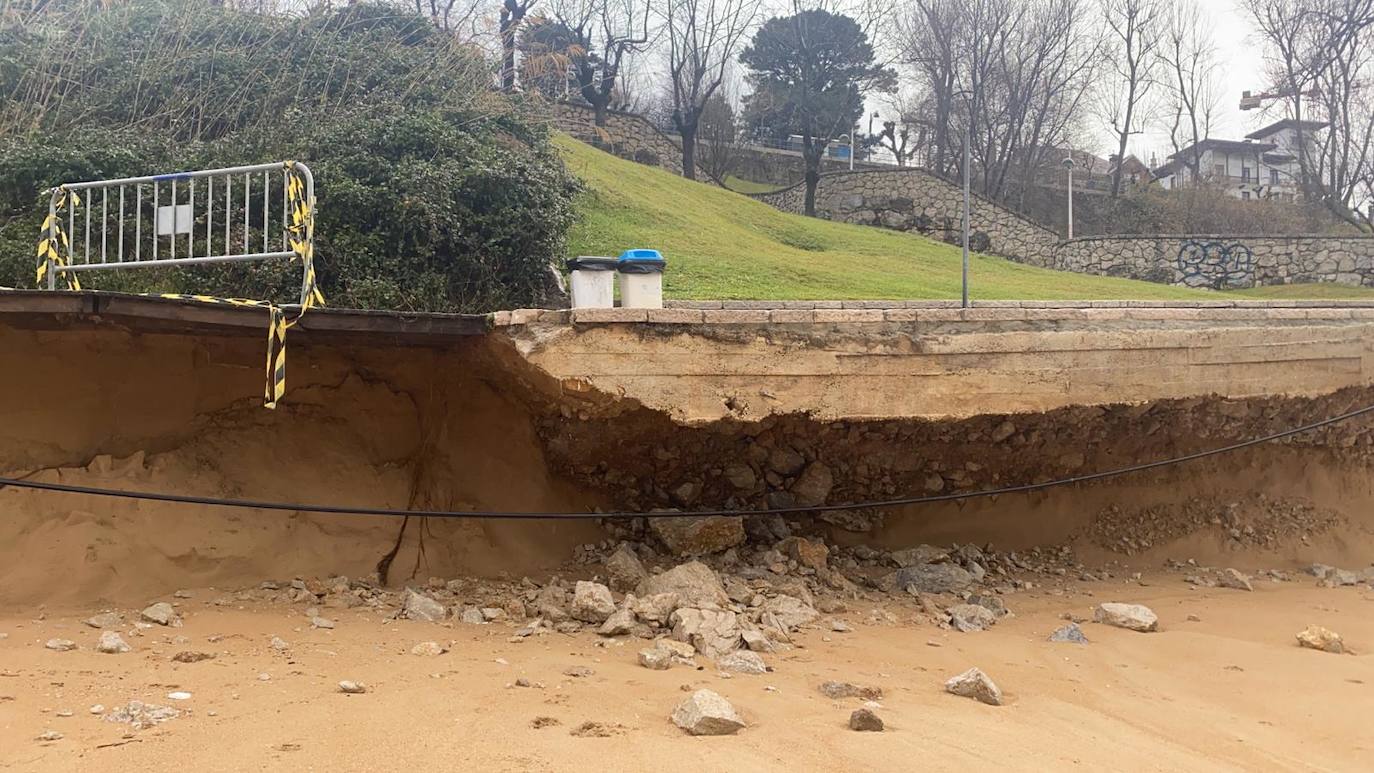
722	245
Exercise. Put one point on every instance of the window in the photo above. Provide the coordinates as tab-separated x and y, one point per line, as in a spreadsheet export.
1245	174
1245	195
1219	170
1273	177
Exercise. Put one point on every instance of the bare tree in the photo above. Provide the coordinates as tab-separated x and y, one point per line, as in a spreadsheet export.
931	32
1191	68
703	38
1134	34
1319	67
608	32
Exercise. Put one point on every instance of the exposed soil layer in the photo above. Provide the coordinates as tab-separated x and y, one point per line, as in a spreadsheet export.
473	426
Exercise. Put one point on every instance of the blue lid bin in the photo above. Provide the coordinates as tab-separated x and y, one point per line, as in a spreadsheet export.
641	279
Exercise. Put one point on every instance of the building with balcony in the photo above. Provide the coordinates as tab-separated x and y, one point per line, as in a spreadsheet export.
1262	166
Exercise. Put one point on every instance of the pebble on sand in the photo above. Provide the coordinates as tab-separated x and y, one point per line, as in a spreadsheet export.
865	721
352	688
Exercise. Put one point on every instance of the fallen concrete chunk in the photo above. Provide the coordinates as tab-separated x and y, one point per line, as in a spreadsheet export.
742	662
975	684
1234	579
971	617
592	602
655	658
161	613
707	713
1134	617
1069	633
840	690
695	584
418	606
111	643
789	611
621	622
1318	638
712	632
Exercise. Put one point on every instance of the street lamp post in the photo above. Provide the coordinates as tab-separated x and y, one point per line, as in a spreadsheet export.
1068	164
968	156
851	150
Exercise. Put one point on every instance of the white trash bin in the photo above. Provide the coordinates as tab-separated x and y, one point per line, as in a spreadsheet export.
641	279
592	282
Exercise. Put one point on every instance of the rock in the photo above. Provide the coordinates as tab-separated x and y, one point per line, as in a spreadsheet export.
1069	633
621	622
1318	638
975	684
51	735
322	622
60	645
1336	578
921	554
993	604
1230	578
681	651
1004	430
697	536
741	476
809	553
111	643
427	649
551	604
927	578
756	641
624	569
352	688
655	609
140	715
655	658
841	690
161	613
693	582
1134	617
813	486
686	493
578	672
790	612
104	620
418	606
971	617
711	632
279	644
472	616
742	662
865	721
592	602
707	713
785	461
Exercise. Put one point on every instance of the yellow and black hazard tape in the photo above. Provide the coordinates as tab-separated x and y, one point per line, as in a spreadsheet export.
54	240
300	236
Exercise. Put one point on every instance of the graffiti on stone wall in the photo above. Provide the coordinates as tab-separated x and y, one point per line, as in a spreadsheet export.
1217	265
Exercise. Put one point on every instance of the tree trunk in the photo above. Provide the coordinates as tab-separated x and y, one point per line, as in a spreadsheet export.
689	151
508	24
599	108
813	177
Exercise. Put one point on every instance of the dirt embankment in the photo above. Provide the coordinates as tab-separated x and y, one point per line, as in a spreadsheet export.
472	426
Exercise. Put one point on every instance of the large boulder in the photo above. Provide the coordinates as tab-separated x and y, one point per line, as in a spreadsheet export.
691	536
695	584
809	553
551	603
707	713
1318	638
971	617
711	632
592	602
813	486
624	569
656	609
1133	617
927	578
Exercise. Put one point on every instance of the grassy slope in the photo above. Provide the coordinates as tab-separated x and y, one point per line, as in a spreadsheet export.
722	245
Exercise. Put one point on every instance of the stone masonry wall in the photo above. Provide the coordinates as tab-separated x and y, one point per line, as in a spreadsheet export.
1222	261
915	200
627	135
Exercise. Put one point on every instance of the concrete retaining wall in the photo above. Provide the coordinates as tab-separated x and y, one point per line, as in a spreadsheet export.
627	135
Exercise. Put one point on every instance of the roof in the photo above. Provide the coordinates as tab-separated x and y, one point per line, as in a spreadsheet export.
1287	123
1230	146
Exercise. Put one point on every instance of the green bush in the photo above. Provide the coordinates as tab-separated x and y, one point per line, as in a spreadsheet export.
434	192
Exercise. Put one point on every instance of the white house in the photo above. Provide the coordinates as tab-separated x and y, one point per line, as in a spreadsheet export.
1262	166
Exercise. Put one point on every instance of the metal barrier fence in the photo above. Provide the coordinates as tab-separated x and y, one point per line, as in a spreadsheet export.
186	218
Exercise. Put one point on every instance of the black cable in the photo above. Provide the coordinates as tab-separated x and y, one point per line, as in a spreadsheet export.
518	516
